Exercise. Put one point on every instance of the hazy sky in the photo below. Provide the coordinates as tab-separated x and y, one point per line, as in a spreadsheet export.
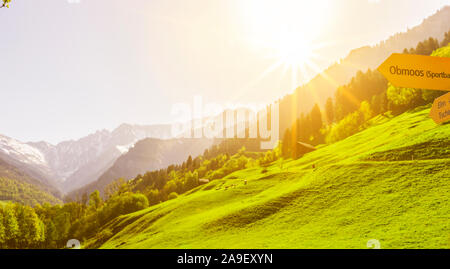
68	69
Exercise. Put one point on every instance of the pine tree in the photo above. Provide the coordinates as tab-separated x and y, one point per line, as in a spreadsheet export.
316	120
95	200
446	39
189	163
11	226
286	145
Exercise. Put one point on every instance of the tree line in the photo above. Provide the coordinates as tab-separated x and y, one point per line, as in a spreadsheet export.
51	226
12	189
367	94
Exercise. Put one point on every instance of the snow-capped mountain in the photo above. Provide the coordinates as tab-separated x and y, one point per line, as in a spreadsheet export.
73	164
146	155
26	158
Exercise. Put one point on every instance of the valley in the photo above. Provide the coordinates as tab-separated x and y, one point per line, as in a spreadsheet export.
355	158
345	201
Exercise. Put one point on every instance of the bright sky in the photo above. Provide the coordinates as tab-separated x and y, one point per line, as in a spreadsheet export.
68	69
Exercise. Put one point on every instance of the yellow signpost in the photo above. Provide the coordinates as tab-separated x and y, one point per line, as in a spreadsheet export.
417	71
440	111
422	72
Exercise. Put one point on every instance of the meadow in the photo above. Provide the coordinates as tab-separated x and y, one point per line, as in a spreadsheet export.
388	182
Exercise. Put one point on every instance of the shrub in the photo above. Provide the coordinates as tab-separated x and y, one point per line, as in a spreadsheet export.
172	195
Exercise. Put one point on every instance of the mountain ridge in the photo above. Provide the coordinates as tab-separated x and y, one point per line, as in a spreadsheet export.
324	84
73	163
147	155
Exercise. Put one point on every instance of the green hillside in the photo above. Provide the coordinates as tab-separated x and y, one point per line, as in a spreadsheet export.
389	182
442	52
17	186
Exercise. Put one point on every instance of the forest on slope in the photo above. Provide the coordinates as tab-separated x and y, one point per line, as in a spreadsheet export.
96	220
17	186
364	187
381	175
324	85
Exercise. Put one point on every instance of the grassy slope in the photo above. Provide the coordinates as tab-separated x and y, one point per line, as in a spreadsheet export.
359	190
17	186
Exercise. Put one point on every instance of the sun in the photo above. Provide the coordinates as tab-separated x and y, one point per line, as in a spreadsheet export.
294	51
296	56
287	32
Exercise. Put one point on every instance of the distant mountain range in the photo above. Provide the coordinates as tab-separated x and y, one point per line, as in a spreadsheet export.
72	164
147	155
324	85
97	159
